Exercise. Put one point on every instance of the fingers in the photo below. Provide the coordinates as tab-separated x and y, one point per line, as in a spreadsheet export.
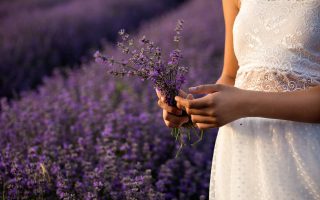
163	105
158	93
181	107
182	94
192	103
203	119
192	111
182	103
190	96
197	112
206	126
173	121
206	89
169	109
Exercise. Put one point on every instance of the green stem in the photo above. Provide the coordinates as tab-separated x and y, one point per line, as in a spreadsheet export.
201	136
3	192
121	64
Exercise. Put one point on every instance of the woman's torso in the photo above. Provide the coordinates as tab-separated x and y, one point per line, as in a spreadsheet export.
277	44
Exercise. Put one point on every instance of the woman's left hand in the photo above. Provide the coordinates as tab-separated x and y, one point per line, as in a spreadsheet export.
221	105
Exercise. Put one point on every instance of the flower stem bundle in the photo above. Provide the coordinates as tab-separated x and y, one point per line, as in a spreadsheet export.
145	60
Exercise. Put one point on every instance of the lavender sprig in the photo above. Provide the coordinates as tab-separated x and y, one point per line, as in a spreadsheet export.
146	61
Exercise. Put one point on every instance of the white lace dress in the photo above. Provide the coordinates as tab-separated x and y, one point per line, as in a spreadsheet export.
277	44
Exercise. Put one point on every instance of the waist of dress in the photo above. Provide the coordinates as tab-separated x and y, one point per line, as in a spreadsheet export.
270	79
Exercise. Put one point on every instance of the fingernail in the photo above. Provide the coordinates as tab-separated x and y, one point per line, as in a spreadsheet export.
192	89
176	98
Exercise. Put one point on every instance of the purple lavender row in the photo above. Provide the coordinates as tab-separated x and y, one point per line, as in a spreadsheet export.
12	7
34	42
90	137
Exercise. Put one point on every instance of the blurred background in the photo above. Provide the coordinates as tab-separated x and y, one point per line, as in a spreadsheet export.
37	36
70	131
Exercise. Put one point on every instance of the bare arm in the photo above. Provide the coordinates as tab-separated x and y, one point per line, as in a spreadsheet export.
303	106
224	104
172	116
230	63
296	106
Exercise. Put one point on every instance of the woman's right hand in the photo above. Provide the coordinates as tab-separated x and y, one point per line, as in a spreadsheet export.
172	116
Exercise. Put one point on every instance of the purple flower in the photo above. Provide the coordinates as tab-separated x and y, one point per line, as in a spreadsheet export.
146	63
52	144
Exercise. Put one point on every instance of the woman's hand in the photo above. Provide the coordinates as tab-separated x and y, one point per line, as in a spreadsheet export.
172	116
221	105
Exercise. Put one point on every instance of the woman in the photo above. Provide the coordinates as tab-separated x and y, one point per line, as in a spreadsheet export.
266	102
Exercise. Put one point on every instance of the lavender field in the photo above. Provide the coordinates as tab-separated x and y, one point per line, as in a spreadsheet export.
83	134
39	35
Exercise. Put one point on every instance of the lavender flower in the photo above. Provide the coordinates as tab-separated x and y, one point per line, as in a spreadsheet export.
78	132
146	61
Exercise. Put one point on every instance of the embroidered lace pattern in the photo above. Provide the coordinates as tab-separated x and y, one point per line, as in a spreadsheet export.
274	80
277	44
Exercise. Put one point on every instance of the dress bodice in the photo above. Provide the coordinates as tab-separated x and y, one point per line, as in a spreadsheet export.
277	44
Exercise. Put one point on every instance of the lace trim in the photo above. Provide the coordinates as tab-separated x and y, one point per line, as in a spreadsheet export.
274	80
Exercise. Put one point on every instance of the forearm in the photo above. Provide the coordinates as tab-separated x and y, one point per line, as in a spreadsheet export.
302	106
226	80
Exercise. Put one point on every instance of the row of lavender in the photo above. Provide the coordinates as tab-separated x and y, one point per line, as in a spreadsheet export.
38	36
11	7
93	137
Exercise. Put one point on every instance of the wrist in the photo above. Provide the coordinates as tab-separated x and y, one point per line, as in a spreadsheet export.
247	104
256	103
226	80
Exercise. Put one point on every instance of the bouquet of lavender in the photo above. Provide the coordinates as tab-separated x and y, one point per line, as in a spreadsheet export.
146	61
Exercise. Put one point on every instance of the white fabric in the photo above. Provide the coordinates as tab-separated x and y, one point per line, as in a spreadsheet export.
277	44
